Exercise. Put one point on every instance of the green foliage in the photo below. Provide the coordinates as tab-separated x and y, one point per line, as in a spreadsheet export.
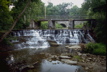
74	11
100	15
77	57
78	25
58	26
44	25
96	48
33	10
60	9
100	29
7	41
5	15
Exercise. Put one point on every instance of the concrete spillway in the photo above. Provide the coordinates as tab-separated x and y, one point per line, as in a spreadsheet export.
38	38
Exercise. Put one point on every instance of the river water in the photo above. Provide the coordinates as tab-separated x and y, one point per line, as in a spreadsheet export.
31	51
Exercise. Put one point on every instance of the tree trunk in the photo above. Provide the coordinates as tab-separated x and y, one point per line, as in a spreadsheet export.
15	21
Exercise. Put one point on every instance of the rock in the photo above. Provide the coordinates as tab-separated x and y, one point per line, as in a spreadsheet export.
83	61
76	47
53	43
69	61
26	66
66	46
84	55
35	63
89	58
86	68
50	60
79	53
54	57
64	57
82	45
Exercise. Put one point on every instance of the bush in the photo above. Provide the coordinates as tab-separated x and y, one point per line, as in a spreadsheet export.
96	48
44	25
58	26
78	26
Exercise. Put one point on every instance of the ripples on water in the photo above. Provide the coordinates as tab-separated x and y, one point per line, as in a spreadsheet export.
30	45
10	61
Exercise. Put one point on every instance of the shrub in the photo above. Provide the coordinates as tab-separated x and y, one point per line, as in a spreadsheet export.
79	26
58	26
44	25
77	57
96	48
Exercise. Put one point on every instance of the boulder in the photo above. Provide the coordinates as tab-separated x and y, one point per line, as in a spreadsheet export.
53	43
64	57
69	61
75	47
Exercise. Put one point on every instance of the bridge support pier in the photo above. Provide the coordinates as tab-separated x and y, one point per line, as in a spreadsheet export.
34	24
71	24
38	24
51	24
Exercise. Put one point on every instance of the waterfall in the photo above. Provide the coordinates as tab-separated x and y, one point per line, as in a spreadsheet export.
38	38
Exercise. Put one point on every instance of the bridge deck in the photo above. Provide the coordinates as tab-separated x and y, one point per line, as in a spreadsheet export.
66	19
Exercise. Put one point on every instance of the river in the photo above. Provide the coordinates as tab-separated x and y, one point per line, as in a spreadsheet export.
31	51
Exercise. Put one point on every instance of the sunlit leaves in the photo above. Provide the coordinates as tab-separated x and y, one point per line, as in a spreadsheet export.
61	9
5	15
100	15
33	10
4	5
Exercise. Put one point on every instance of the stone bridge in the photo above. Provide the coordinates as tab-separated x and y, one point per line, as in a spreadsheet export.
53	19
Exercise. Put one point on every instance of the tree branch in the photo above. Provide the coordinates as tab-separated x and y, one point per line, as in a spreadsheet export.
15	21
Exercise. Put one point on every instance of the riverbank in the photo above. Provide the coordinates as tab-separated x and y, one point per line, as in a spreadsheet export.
90	62
31	59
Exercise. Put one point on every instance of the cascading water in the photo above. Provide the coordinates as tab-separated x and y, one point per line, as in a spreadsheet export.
38	38
29	39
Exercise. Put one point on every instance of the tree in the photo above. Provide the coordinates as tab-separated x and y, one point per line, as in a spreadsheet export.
61	9
100	15
5	15
31	13
20	7
74	11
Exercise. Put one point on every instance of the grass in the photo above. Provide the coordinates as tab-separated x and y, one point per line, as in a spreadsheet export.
77	57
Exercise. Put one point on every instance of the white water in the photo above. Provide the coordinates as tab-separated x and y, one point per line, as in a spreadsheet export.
38	38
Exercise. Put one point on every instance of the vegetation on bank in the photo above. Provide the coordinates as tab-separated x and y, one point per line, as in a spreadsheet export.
44	25
95	48
96	9
58	26
78	26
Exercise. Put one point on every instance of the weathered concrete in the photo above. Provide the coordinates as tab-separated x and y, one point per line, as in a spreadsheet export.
51	23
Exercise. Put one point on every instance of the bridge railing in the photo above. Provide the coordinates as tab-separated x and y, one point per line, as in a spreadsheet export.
64	17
